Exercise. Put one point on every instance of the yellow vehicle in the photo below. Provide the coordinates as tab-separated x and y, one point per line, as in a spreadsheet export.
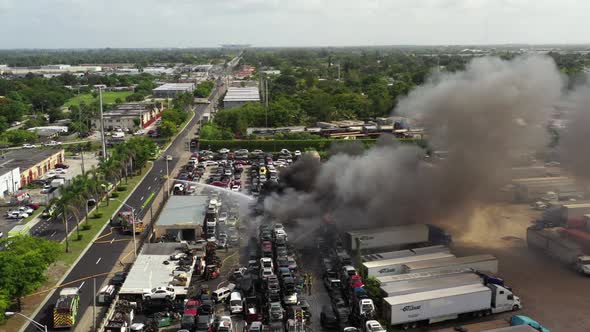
66	308
262	170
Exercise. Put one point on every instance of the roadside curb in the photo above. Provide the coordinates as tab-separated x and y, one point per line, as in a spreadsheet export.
67	273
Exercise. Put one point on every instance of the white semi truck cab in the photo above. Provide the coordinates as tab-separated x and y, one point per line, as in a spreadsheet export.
582	264
503	299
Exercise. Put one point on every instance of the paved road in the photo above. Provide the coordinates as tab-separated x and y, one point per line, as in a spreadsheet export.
102	257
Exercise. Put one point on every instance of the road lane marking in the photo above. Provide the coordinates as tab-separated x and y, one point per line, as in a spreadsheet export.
53	234
81	285
141	199
98	260
113	240
155	179
150	187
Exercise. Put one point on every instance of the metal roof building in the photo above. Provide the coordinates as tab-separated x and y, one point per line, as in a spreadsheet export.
239	96
182	217
172	89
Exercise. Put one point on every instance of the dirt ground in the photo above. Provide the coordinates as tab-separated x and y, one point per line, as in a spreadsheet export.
551	293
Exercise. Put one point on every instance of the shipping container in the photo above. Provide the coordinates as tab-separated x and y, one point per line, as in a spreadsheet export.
475	262
423	285
395	265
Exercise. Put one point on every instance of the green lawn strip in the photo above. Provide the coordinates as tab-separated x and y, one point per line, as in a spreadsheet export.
77	246
108	97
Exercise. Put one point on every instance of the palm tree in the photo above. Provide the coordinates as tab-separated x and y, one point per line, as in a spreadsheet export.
64	204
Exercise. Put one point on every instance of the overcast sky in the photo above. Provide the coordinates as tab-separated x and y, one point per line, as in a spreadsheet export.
208	23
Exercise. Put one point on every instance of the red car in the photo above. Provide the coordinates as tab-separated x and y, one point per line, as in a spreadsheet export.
60	165
267	245
356	281
220	184
33	206
191	307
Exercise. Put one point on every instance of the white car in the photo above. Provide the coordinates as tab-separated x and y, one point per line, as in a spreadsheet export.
373	326
290	299
297	153
266	272
50	173
167	293
224	151
29	146
168	157
222	217
266	262
60	171
16	214
52	143
225	324
235	187
26	210
209	163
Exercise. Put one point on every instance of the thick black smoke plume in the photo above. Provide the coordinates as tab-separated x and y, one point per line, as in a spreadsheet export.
483	117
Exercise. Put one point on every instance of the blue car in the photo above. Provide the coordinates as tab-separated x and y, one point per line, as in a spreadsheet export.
524	320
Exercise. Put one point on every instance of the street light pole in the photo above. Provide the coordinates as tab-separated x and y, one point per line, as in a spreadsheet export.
37	324
167	179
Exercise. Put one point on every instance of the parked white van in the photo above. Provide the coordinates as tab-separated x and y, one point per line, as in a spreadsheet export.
236	304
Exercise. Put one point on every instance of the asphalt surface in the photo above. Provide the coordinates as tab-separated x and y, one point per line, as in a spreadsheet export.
102	257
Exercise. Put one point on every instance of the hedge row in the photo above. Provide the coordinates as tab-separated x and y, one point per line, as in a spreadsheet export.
277	145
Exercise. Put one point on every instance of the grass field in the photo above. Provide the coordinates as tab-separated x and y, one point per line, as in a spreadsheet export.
108	97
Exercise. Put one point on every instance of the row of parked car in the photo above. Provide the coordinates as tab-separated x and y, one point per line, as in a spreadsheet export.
22	212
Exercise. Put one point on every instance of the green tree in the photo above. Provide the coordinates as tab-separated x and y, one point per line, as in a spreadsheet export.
168	129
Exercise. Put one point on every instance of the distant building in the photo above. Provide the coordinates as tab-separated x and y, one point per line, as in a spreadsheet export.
9	179
239	96
49	69
170	90
32	164
130	115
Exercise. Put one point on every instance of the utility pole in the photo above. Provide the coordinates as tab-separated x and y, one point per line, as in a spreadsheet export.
80	121
94	305
266	100
104	146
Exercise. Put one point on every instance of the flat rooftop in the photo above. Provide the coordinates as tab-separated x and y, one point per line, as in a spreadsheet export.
131	110
24	158
184	210
242	94
175	87
149	270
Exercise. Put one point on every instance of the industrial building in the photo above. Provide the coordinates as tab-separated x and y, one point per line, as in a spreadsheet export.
236	97
9	179
130	115
170	90
31	163
182	218
48	69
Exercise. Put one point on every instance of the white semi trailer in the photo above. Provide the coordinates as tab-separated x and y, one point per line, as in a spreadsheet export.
405	253
424	285
396	265
395	237
424	308
476	262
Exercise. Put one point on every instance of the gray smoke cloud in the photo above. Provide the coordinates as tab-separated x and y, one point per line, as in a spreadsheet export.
483	117
574	140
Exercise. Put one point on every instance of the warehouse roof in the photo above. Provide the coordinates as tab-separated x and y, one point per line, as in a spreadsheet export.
182	210
24	158
175	87
149	270
242	94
